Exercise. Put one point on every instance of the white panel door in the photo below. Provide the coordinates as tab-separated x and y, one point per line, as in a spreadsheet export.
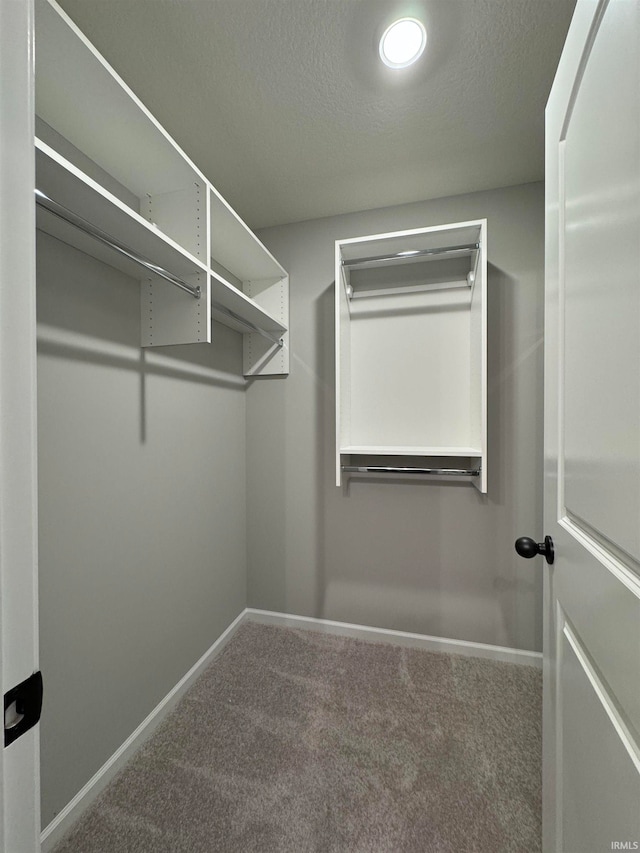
19	762
592	436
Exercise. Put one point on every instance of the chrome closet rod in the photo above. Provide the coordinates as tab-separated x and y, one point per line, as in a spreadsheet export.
249	325
405	256
93	231
84	225
388	469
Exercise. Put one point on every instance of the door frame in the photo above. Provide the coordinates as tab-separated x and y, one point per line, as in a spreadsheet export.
19	762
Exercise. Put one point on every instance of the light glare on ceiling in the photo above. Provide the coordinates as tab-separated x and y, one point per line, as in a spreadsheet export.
403	42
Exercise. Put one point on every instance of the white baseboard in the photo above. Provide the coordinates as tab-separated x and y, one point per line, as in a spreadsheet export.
61	824
399	638
63	821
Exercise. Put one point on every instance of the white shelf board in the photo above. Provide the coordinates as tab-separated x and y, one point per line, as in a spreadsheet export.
80	95
116	132
404	450
441	237
233	299
69	186
236	247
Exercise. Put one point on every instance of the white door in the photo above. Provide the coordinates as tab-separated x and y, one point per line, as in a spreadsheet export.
592	436
19	761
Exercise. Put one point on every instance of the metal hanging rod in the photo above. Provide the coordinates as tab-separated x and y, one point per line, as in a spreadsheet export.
407	256
194	290
84	225
388	469
247	323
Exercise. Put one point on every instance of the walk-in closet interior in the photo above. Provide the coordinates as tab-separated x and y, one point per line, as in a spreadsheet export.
331	413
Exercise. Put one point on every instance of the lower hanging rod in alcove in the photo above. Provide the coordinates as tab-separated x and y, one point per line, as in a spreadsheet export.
389	469
93	231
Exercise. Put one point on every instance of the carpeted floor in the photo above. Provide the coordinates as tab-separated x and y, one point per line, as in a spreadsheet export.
301	742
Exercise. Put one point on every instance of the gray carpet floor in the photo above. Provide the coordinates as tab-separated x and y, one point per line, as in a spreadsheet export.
302	742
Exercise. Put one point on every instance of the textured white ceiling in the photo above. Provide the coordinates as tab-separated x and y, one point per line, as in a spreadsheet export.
287	109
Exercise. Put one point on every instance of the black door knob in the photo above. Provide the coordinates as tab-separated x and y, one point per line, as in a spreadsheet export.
530	548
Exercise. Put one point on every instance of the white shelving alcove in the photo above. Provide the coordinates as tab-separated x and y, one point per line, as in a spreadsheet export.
411	354
111	182
246	280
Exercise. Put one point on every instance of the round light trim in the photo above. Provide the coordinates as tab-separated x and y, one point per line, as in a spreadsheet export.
403	42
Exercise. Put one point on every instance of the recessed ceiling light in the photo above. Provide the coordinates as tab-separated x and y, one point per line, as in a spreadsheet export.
403	42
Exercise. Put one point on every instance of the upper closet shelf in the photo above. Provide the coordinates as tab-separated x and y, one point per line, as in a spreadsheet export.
405	243
236	248
247	279
68	186
225	297
104	158
81	96
408	256
410	262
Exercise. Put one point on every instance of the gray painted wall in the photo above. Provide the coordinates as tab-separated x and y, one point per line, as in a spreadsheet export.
427	557
149	470
142	511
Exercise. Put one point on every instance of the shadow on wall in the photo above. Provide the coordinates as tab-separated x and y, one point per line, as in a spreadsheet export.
513	385
500	303
368	313
326	430
268	519
90	312
141	511
429	560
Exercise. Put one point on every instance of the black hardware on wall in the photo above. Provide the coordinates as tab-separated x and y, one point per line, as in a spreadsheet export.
28	701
